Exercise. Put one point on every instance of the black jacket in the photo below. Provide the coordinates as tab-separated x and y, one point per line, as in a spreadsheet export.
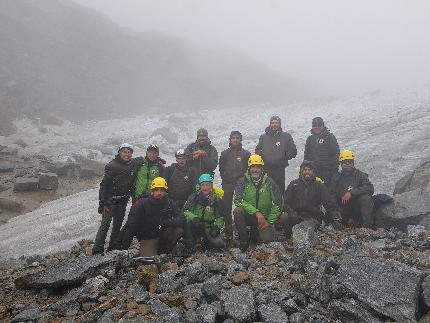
147	218
205	164
323	150
181	182
117	182
306	198
233	163
356	182
276	148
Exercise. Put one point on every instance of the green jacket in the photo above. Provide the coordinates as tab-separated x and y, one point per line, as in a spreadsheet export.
210	214
146	172
265	198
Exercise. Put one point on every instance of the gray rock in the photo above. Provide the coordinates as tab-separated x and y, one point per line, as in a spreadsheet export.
8	151
417	179
20	143
409	208
196	272
272	313
350	311
239	304
297	318
206	313
289	306
68	168
11	205
211	291
48	181
387	286
303	235
27	315
71	273
91	289
168	315
170	281
415	231
91	168
66	306
23	184
139	294
426	290
402	185
6	166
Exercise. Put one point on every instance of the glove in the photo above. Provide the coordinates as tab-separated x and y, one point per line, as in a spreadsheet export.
261	222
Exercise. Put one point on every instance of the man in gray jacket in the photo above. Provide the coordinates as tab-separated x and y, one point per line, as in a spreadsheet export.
277	148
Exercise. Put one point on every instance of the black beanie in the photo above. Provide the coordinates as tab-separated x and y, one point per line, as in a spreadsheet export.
236	133
318	121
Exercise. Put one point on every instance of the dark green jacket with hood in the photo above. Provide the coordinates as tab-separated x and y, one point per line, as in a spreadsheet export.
276	148
323	150
355	181
233	164
205	164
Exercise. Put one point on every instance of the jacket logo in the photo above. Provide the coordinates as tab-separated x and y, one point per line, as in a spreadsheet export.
262	190
186	177
208	209
321	140
238	159
153	172
278	143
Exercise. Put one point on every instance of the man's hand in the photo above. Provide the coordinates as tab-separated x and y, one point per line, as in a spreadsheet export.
346	197
261	221
199	153
104	211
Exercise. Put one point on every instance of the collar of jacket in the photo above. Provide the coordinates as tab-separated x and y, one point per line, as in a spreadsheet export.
263	177
270	132
237	147
204	144
158	202
323	133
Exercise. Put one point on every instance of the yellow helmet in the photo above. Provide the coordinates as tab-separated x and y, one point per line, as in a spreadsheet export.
255	160
346	155
159	182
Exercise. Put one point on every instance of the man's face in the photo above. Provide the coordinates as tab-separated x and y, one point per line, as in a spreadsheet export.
206	188
125	154
152	154
275	125
158	193
255	171
181	161
307	173
347	165
235	140
317	128
202	139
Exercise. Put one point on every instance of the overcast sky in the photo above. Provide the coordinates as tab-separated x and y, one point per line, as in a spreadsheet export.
334	46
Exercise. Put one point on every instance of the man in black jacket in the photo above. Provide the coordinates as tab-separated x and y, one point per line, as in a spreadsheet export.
115	190
201	155
277	148
303	200
156	221
354	191
181	179
322	148
233	164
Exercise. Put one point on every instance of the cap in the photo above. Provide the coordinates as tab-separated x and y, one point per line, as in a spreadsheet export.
153	147
180	153
317	121
275	118
202	132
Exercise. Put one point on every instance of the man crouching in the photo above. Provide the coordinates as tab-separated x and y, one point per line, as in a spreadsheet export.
155	221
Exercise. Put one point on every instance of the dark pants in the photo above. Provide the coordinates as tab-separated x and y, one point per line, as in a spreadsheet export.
227	206
163	244
278	175
359	209
292	218
196	229
243	220
116	213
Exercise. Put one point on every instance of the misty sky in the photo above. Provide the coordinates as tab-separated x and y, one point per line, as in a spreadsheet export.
333	47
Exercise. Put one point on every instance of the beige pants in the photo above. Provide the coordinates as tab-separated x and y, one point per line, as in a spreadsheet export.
148	248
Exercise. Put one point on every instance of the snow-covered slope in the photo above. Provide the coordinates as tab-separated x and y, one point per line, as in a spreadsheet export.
389	134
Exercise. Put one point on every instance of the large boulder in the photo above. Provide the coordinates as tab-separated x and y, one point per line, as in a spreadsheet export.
26	184
417	179
48	181
389	287
71	273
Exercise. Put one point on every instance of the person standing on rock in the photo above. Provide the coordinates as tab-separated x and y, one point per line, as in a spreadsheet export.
304	198
114	193
258	205
202	156
322	148
353	191
203	211
148	168
156	221
181	179
277	148
233	164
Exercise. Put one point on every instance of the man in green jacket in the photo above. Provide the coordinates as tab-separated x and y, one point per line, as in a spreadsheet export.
258	205
203	212
148	168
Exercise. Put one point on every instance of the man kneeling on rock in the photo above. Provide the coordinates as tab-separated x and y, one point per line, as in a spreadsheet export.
354	191
258	205
303	200
156	221
203	211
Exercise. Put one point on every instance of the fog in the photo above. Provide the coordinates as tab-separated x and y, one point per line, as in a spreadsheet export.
333	47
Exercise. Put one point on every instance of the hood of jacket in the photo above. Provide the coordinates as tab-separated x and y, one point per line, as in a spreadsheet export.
324	132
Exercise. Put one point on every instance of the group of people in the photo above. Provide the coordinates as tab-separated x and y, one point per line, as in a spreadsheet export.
181	201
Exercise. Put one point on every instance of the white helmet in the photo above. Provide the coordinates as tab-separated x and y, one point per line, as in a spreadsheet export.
180	153
125	145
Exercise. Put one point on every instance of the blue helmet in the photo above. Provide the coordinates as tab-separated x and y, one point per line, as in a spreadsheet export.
205	178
